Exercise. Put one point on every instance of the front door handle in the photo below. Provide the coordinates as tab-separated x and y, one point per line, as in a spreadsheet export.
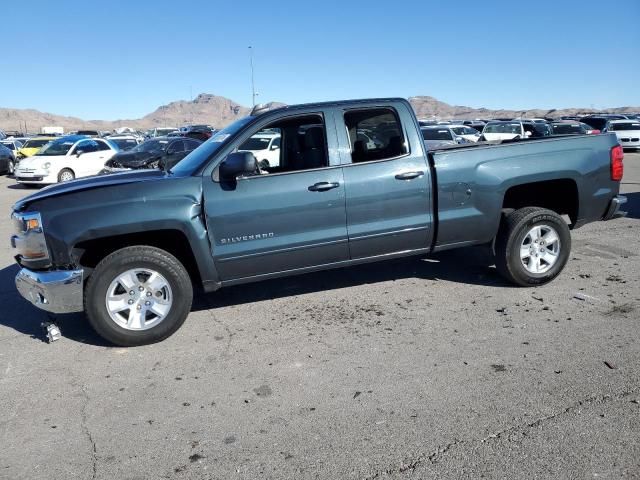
409	175
323	186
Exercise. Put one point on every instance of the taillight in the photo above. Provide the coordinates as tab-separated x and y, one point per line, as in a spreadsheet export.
617	168
595	132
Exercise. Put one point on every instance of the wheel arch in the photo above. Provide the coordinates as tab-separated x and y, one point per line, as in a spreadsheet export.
560	195
88	253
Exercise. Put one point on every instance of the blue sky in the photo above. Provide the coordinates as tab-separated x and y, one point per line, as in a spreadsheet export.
116	59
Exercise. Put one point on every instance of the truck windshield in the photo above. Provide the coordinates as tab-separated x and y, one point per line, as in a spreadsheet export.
204	152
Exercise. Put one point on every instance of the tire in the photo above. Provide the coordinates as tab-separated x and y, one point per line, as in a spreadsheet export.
526	262
66	175
141	259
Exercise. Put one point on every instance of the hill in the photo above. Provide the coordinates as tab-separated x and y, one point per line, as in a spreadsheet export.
220	111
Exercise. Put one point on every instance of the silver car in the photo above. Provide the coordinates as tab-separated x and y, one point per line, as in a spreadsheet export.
437	136
628	132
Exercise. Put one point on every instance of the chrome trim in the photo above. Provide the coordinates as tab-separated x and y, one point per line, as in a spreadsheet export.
57	291
282	250
614	208
26	239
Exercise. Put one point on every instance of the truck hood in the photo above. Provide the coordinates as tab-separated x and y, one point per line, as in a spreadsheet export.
90	183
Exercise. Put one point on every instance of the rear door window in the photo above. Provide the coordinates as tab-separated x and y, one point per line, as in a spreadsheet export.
374	134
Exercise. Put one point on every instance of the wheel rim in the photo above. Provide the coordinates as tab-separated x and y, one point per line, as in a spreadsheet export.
66	176
139	299
540	249
11	168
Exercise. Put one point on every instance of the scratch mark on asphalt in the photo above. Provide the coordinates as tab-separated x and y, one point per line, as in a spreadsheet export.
569	409
227	348
440	451
85	429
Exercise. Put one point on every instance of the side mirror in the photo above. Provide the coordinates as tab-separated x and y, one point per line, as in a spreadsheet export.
527	134
236	164
274	147
79	152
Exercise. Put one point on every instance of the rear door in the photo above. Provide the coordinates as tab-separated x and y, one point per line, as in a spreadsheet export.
387	181
288	217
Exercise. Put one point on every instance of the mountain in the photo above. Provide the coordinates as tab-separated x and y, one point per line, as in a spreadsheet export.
429	107
220	111
205	108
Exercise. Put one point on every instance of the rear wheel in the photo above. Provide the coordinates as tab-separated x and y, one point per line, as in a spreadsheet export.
137	296
66	175
532	246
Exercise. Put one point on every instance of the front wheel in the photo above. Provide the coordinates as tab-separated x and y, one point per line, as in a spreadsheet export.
137	296
66	175
12	168
532	246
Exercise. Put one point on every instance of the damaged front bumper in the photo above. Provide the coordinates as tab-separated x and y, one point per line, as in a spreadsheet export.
57	291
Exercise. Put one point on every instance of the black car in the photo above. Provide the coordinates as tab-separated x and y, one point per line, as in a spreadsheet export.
568	127
199	132
599	123
159	152
6	160
89	133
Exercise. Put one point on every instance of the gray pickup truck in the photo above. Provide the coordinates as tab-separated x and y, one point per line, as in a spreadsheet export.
129	248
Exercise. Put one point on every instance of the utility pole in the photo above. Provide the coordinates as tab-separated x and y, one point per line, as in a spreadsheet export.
253	86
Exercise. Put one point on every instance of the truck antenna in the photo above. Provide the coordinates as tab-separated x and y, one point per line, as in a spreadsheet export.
253	86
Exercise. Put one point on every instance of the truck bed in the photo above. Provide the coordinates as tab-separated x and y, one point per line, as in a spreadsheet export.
473	182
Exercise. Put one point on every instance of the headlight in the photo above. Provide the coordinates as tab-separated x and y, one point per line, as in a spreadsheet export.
29	240
46	165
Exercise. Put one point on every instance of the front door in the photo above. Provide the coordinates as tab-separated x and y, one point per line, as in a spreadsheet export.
387	182
286	217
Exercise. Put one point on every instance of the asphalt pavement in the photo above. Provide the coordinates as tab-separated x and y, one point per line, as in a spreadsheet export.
417	368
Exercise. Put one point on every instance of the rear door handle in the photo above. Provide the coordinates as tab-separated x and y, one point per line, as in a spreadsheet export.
409	175
323	186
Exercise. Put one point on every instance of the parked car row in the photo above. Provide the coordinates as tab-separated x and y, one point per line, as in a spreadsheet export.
442	133
74	156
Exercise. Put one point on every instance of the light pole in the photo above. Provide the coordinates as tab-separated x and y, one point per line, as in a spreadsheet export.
253	86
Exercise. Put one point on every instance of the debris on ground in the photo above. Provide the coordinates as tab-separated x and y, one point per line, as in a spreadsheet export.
610	365
584	297
52	331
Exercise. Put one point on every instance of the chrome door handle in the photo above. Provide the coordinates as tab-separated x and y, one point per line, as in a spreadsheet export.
323	186
409	175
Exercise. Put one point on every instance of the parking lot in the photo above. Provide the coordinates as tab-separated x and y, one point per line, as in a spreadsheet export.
417	368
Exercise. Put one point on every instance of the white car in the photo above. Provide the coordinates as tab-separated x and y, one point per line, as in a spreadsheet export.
468	133
502	130
125	141
64	159
265	146
628	132
159	132
437	136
